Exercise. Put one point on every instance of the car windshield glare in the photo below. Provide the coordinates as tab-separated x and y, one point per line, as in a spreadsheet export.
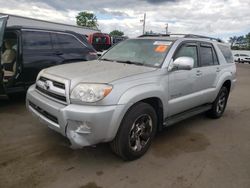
146	52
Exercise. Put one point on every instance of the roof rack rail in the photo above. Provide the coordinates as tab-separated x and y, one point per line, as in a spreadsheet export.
182	35
154	35
203	37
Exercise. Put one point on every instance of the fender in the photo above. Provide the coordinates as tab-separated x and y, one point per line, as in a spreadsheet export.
132	96
221	80
144	91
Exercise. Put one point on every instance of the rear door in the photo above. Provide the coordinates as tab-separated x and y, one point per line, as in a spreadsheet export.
209	71
3	23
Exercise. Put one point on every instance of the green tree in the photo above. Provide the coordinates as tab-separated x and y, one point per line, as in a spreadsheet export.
248	41
86	19
232	40
116	33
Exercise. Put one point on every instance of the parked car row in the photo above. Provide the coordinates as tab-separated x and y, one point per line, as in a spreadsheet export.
133	90
242	58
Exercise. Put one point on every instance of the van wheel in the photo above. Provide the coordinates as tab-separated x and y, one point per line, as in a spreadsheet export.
136	132
219	104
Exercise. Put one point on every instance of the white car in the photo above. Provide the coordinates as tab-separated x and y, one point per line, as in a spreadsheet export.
242	58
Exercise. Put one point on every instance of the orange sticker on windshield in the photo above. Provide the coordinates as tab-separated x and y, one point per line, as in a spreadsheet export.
161	48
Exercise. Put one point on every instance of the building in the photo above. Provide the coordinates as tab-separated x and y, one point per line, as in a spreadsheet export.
14	20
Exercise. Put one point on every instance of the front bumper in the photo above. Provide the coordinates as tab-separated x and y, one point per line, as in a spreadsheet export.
82	125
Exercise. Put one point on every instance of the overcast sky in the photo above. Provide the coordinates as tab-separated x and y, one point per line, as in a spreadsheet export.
219	18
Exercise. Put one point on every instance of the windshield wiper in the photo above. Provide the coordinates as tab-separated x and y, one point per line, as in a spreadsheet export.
131	62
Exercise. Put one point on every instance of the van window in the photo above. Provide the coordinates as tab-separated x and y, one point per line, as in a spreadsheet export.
206	55
226	51
34	40
67	41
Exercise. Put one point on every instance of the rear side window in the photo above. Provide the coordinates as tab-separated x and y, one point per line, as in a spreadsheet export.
34	40
206	55
226	51
67	41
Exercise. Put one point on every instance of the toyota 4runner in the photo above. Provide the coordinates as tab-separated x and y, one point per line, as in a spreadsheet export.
136	88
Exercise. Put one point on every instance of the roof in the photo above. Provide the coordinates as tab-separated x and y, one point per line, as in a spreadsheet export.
18	27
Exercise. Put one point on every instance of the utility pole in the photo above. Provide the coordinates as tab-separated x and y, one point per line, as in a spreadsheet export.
144	24
166	28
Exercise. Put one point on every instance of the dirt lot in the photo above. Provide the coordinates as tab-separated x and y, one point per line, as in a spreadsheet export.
198	152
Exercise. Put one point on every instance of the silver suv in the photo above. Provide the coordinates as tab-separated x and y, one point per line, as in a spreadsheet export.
135	89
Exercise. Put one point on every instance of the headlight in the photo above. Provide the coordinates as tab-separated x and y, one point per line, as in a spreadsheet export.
90	92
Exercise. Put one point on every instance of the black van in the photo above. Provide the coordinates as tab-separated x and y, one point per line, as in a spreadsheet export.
25	51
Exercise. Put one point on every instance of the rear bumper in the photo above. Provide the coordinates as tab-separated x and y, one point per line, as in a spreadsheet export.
82	125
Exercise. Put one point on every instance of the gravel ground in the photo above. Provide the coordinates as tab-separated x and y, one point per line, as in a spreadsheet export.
198	152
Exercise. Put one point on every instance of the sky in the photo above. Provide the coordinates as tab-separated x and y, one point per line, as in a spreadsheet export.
217	18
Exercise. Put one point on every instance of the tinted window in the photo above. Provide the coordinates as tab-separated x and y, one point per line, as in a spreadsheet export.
68	41
226	53
100	40
188	51
206	54
37	40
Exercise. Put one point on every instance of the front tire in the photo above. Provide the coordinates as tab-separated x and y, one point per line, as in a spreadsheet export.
219	104
136	132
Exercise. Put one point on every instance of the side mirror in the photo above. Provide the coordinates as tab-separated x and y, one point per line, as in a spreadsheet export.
182	63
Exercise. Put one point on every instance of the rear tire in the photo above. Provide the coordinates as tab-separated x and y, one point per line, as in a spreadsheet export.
219	104
136	132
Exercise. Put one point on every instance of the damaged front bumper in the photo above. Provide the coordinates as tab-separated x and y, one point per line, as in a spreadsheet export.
82	125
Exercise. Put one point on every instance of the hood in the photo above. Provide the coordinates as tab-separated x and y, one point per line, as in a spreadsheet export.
97	71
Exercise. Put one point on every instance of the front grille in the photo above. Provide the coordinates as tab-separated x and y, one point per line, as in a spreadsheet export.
43	112
55	90
53	95
55	83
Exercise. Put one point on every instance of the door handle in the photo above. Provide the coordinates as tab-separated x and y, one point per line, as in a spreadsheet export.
217	69
198	73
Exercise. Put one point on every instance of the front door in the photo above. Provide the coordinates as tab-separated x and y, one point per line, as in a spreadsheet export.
183	84
3	23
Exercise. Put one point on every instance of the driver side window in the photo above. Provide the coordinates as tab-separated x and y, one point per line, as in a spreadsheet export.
188	50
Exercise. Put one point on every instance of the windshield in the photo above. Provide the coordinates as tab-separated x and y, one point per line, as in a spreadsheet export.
146	52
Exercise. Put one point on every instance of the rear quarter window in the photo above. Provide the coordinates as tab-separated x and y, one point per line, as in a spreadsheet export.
226	51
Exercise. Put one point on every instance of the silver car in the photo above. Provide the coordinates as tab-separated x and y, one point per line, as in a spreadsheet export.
135	89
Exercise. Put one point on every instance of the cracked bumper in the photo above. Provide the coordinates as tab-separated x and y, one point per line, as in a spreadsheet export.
82	125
